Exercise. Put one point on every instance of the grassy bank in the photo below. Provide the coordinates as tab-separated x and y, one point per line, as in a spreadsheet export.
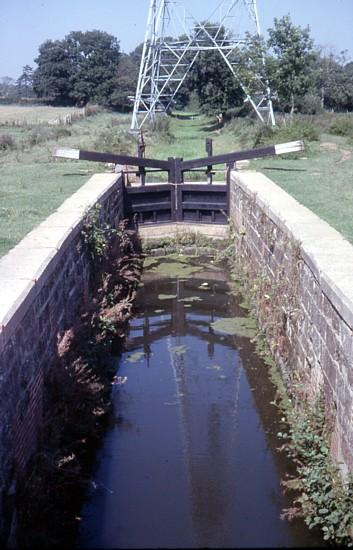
33	184
320	178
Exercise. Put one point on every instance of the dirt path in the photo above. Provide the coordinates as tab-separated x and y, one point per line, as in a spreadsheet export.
346	154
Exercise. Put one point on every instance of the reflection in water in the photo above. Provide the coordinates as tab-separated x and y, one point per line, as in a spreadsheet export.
189	460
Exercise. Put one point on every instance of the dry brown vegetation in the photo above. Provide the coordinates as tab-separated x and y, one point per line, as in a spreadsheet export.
78	390
20	115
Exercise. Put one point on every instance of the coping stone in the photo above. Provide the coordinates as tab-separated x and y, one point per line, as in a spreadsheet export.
15	298
45	237
25	263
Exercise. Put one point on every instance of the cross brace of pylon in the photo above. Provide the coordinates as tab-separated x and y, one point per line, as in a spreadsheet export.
174	39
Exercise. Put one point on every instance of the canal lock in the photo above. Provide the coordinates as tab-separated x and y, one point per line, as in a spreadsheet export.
190	458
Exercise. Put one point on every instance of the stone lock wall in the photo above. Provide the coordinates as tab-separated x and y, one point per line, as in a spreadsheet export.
43	281
303	264
305	269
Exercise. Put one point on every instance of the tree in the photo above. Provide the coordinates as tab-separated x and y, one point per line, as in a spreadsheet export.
95	56
291	65
211	79
78	69
7	86
334	81
126	79
25	82
52	78
348	71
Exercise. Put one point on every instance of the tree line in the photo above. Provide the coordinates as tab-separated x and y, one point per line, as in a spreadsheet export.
90	67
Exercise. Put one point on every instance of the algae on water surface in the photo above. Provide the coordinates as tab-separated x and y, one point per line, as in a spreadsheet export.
166	296
191	299
173	265
237	326
135	357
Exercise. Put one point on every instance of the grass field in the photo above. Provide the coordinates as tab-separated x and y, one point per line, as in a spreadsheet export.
33	184
322	181
321	178
23	115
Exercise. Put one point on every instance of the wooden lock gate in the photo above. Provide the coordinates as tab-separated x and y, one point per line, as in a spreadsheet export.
177	200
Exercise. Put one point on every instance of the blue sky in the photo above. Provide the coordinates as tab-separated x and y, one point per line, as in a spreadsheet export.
25	24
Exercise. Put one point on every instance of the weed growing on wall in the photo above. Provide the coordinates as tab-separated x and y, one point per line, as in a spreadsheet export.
78	391
96	236
322	498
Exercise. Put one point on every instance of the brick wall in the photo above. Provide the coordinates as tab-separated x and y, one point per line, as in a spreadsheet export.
302	270
42	281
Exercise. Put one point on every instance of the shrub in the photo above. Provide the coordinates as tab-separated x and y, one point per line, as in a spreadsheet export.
7	143
161	129
323	499
91	110
38	134
60	132
342	126
288	131
310	104
113	140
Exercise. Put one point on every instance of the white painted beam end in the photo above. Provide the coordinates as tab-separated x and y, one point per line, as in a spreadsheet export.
66	153
290	147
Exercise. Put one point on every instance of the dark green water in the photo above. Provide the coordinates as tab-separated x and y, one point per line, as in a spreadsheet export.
190	459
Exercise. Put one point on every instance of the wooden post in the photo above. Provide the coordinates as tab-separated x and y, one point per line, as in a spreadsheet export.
141	153
209	150
176	178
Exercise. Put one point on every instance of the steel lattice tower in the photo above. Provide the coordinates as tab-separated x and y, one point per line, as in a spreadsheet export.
174	40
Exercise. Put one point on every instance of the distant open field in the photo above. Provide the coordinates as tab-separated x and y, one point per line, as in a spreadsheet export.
20	115
33	184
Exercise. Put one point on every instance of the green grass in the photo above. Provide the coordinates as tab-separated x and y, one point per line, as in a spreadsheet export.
321	180
33	184
26	198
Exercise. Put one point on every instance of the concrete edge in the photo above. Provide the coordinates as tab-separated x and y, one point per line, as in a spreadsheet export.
172	229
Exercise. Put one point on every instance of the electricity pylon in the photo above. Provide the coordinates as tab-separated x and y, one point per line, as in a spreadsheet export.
173	42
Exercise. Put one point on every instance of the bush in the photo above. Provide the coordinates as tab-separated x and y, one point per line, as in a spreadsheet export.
287	131
60	132
310	104
39	134
161	128
7	143
117	141
91	110
342	126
